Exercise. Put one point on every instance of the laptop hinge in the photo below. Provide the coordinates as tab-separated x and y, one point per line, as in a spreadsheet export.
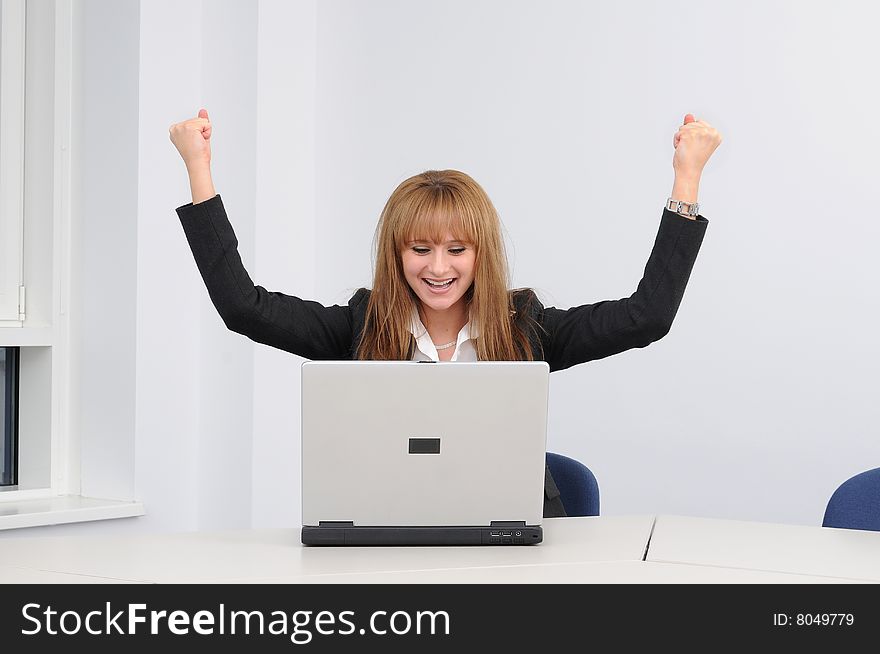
335	523
507	523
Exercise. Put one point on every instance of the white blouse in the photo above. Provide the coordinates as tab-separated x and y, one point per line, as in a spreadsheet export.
425	350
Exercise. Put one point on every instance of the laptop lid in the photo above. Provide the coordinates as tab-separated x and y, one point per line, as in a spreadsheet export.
422	444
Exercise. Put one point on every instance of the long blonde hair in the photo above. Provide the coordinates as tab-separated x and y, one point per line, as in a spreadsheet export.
430	205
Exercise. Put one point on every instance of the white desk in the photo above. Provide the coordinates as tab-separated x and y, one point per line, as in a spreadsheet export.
597	572
769	547
575	550
277	554
13	575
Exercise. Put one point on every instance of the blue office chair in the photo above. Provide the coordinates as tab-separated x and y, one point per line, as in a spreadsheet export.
578	488
856	503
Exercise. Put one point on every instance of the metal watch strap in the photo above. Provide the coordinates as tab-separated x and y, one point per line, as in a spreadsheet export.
691	209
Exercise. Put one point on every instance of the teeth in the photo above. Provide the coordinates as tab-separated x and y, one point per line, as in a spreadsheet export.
446	283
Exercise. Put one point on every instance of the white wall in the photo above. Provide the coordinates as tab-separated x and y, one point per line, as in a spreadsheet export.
755	406
104	233
759	401
284	242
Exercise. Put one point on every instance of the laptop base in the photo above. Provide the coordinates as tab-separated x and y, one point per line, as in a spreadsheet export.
347	534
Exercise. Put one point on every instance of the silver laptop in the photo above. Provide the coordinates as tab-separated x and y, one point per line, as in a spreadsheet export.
407	453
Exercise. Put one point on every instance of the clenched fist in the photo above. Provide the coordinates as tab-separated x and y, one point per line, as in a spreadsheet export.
192	138
694	143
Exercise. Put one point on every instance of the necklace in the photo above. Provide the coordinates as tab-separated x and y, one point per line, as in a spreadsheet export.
443	347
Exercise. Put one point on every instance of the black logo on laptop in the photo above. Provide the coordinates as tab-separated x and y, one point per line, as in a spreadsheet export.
424	446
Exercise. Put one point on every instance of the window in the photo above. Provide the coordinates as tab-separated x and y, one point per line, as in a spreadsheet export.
12	86
40	455
8	416
30	337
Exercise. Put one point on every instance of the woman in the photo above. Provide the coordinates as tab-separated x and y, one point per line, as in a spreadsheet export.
440	289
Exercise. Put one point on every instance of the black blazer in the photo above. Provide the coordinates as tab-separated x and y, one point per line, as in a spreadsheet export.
561	337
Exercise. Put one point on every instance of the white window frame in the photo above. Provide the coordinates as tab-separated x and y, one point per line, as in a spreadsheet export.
12	81
43	358
47	346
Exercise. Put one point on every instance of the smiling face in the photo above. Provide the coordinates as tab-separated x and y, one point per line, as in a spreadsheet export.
440	251
440	273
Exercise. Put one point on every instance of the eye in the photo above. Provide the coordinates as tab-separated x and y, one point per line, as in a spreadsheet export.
419	250
457	250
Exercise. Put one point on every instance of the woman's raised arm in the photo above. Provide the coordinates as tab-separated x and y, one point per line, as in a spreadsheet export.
303	327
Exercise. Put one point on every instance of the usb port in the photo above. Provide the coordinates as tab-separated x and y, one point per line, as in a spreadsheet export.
495	533
506	533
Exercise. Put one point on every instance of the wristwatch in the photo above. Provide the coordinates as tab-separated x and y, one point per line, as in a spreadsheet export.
689	209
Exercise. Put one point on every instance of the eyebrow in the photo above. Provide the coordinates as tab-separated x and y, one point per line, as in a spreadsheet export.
452	242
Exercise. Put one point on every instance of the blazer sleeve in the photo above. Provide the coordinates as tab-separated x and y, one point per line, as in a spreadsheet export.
595	331
302	327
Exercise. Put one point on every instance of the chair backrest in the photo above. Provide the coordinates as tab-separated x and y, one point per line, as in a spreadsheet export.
856	503
578	488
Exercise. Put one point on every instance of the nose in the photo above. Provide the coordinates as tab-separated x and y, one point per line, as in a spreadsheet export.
439	264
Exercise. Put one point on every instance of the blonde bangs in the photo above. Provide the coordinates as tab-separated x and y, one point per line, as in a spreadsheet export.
432	213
